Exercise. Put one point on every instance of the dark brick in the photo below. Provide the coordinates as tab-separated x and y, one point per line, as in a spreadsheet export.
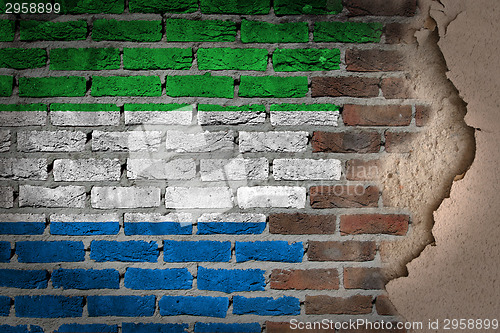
363	278
374	60
352	142
345	86
40	30
22	58
384	306
396	88
298	223
399	142
343	196
162	6
341	251
398	33
323	304
422	115
377	115
315	279
362	170
381	7
390	224
284	327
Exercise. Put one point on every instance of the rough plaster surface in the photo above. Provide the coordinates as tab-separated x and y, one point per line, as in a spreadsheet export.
457	277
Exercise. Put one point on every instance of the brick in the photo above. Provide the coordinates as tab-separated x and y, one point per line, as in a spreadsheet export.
6	85
84	224
158	279
7	30
23	114
273	86
271	197
48	306
23	169
344	196
5	251
231	115
396	88
362	170
347	32
341	251
199	251
384	306
279	142
374	224
423	115
84	114
84	59
121	306
18	58
158	114
126	86
346	142
231	280
86	170
130	251
354	305
306	169
86	279
93	7
377	115
21	328
157	224
363	278
6	197
201	142
21	224
5	303
127	31
179	169
48	30
146	328
185	30
278	251
124	197
204	306
373	330
58	197
304	114
24	279
126	141
314	279
287	327
221	327
263	32
291	60
53	141
82	328
200	86
231	224
234	169
298	7
232	59
301	224
198	197
398	33
400	142
46	252
255	7
266	306
4	140
160	7
373	60
381	8
361	87
151	59
64	86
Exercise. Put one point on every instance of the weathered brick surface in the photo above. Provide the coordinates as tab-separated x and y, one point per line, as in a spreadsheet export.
422	115
4	140
18	58
353	305
272	86
67	86
342	251
347	142
347	32
200	86
134	31
381	8
199	142
345	86
304	114
235	7
6	85
377	115
89	170
53	31
306	169
45	141
23	168
158	6
363	278
344	196
84	114
272	141
271	196
291	7
234	169
227	58
316	279
400	142
384	306
164	58
6	197
58	197
299	224
396	88
184	30
374	60
231	115
158	114
363	169
124	197
374	224
6	30
161	169
263	32
126	141
92	59
198	197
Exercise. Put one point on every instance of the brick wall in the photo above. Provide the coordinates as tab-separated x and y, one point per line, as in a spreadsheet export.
171	166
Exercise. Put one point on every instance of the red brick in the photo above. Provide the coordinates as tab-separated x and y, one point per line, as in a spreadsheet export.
363	170
400	142
345	86
316	279
422	115
398	33
376	115
344	196
381	7
301	224
323	304
284	327
396	88
391	224
374	61
341	251
373	330
349	142
363	278
384	306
